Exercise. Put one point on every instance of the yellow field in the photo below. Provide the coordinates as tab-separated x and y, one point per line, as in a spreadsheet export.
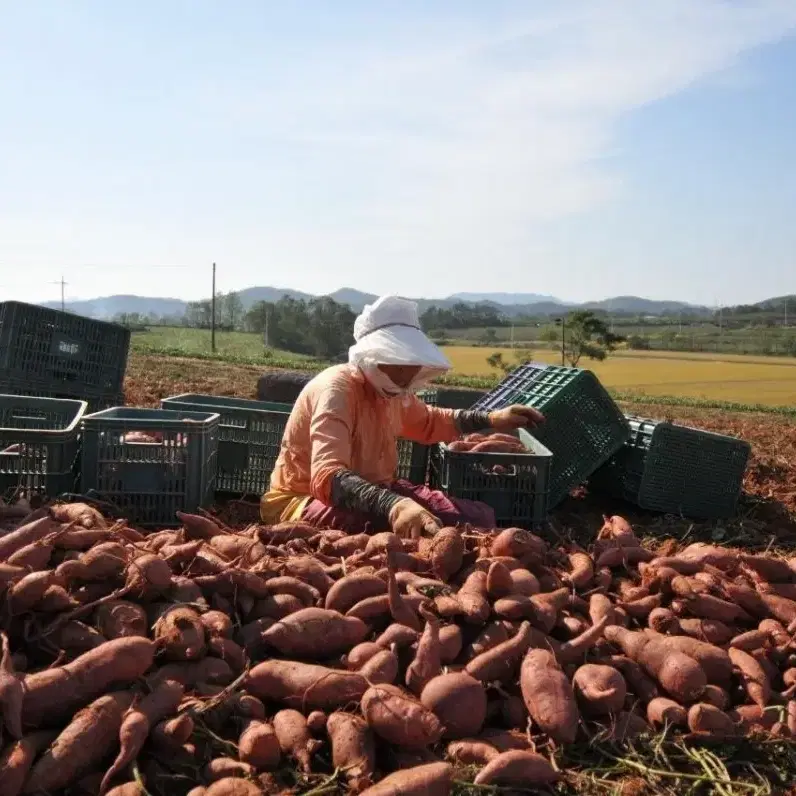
731	378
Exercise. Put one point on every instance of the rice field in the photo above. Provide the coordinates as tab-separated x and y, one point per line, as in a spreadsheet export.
735	378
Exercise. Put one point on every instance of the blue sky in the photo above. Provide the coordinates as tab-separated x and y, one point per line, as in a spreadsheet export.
580	149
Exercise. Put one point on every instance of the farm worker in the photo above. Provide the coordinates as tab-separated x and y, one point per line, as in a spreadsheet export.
338	459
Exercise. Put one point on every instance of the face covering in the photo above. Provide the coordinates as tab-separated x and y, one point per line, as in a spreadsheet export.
382	383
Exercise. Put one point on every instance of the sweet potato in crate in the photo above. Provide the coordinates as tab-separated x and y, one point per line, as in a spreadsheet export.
39	445
150	463
249	438
515	485
583	426
676	470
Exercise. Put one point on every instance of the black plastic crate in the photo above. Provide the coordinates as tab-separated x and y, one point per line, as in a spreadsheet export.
676	470
515	485
62	352
150	463
39	445
96	402
413	457
583	426
249	438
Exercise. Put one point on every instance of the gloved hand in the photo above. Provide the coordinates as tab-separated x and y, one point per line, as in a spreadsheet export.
410	520
514	417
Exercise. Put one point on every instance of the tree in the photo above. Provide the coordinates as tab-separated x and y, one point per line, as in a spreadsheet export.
495	360
230	309
586	335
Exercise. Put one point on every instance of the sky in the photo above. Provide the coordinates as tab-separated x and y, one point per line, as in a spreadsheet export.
580	149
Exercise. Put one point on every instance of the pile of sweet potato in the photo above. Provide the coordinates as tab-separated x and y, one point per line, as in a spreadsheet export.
211	661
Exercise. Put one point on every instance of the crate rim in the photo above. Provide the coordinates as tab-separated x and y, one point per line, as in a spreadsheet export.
111	324
204	419
81	407
668	424
186	397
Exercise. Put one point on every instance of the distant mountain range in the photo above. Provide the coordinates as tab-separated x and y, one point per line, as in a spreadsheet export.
512	304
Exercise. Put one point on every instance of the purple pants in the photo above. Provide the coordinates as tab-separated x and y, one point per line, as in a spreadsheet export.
450	511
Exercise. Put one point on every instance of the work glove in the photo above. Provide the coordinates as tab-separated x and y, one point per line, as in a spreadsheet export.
410	520
513	417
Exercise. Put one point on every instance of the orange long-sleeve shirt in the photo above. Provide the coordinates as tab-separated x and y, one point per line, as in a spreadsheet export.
340	422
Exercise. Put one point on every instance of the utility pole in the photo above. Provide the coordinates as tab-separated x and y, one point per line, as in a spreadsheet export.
63	285
266	326
213	314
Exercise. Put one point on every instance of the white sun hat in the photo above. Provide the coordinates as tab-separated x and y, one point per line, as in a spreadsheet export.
388	332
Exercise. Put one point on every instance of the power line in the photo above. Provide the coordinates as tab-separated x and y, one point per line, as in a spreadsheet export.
63	284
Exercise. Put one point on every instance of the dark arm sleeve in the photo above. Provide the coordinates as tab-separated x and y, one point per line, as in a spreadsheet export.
470	420
353	493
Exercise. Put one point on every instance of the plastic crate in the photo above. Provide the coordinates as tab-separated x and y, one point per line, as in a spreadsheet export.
59	351
676	470
96	403
249	438
518	493
583	426
413	457
150	462
39	445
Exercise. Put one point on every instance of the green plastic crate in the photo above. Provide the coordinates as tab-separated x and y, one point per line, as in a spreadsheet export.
583	426
413	457
39	445
150	463
676	470
518	492
249	438
63	353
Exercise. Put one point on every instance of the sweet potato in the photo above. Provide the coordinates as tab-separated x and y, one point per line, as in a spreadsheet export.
517	543
716	696
348	591
517	769
662	620
216	624
450	643
622	556
307	569
147	577
75	638
400	635
524	582
772	570
662	711
601	606
27	534
640	683
702	554
498	580
121	619
372	609
471	752
548	696
58	692
680	675
274	606
459	702
180	634
383	667
106	560
626	727
232	786
17	759
85	742
703	718
711	631
400	719
294	738
427	662
460	446
220	768
361	654
353	749
446	550
400	609
750	719
230	652
173	732
137	723
286	584
305	686
429	779
581	573
600	689
11	691
501	661
315	633
714	661
32	557
753	676
212	671
493	634
574	649
781	608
